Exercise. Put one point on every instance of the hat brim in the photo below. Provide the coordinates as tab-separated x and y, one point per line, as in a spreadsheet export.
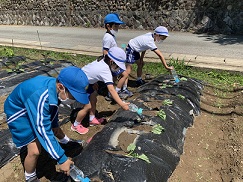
82	98
119	22
121	65
164	34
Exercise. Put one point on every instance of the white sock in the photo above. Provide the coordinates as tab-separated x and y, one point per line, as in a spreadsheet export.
76	123
117	89
124	87
139	78
29	175
91	117
64	140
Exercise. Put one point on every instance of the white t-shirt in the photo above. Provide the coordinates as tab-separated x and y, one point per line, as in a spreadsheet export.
98	71
143	42
109	41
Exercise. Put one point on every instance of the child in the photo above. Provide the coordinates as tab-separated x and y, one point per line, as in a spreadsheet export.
32	115
100	70
141	44
112	22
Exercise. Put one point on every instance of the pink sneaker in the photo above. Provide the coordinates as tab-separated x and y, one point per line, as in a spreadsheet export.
96	121
79	129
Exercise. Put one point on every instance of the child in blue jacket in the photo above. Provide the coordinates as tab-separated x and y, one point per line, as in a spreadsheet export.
32	115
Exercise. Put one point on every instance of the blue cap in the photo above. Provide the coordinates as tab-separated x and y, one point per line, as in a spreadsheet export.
76	81
113	18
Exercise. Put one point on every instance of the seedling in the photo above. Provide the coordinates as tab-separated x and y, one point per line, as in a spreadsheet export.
131	147
162	114
181	96
167	102
183	79
17	69
166	86
15	64
46	60
157	129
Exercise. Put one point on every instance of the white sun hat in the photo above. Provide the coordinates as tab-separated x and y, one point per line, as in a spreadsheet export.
161	30
118	56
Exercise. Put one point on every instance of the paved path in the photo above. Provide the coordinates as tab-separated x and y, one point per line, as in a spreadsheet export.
201	50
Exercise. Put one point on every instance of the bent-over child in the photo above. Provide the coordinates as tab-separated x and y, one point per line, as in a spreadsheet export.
137	47
100	70
32	115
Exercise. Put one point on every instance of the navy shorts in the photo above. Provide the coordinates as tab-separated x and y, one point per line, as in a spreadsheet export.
132	56
118	72
102	90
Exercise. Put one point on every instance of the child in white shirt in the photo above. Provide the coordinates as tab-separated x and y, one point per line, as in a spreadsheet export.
100	70
112	23
139	45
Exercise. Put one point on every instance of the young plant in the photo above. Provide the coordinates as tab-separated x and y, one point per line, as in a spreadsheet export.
16	69
157	129
131	147
181	96
167	102
15	64
166	86
162	114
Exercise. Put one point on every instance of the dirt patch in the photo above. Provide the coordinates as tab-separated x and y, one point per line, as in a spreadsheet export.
213	145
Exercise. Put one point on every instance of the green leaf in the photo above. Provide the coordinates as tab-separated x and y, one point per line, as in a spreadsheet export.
163	86
183	79
157	129
181	96
144	157
162	114
167	102
9	70
131	147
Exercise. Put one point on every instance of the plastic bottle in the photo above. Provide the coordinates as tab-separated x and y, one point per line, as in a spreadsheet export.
134	108
77	175
175	76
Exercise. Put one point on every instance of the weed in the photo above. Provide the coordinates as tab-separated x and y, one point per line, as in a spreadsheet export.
218	103
223	79
178	64
6	52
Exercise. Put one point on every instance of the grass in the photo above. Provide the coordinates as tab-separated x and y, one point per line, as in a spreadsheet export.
218	78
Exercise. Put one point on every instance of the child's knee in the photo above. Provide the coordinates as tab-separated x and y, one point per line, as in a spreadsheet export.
87	107
125	74
34	149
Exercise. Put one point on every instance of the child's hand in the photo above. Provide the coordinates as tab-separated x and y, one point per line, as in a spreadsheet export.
125	106
65	167
170	68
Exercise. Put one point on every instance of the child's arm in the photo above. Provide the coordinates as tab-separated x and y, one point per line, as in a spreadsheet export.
105	51
117	98
163	59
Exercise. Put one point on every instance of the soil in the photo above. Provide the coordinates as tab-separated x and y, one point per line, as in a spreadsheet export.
213	145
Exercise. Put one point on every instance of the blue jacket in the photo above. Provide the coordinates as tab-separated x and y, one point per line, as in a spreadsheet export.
32	112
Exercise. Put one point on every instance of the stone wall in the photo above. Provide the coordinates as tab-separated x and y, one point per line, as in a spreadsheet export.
211	16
